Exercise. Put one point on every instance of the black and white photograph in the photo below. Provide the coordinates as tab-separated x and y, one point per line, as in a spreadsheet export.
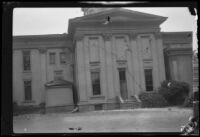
105	70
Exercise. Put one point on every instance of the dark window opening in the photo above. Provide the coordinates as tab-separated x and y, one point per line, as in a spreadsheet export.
52	58
98	107
26	61
123	84
148	79
62	58
95	77
27	90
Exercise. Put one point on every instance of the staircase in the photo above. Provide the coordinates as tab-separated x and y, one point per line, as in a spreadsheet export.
132	103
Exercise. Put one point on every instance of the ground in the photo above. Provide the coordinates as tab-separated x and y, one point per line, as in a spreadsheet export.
135	120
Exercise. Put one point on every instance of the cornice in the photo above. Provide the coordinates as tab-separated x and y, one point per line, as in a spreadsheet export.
132	35
78	37
42	50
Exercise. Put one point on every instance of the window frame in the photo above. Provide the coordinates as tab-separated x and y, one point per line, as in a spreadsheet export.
50	55
65	58
25	91
147	84
94	93
58	75
24	60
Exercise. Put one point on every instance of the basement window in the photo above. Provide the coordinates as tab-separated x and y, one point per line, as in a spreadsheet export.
98	107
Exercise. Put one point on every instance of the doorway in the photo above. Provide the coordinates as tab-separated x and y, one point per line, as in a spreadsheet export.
123	83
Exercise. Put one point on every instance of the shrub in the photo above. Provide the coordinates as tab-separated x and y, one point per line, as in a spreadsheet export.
175	93
194	96
152	99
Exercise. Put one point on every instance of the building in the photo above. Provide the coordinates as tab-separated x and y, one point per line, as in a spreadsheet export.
106	61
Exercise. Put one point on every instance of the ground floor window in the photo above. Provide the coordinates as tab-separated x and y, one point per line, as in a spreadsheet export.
58	75
123	84
96	88
148	79
27	90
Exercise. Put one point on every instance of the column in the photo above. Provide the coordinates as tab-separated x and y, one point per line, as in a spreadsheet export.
87	68
114	68
161	57
80	68
135	63
155	63
103	67
140	63
109	66
130	73
43	64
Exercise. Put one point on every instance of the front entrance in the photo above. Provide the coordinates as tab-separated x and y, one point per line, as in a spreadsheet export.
123	84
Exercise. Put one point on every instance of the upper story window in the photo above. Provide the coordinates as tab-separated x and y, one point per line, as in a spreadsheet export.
148	79
52	58
96	88
27	90
62	58
26	61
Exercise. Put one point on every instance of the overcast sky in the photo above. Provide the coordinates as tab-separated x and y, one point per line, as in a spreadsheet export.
37	21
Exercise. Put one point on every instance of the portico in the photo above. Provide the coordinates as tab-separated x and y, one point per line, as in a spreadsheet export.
119	53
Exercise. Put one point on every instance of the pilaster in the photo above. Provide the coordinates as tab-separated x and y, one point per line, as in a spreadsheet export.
135	63
109	65
43	64
81	77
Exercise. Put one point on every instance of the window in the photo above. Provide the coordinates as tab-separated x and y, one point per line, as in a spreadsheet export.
123	84
52	58
58	75
26	61
148	79
98	107
122	75
95	76
62	58
27	90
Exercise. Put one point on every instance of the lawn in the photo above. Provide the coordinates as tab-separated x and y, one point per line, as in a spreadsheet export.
136	120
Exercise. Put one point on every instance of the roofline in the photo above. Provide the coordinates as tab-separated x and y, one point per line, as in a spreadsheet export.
36	37
177	32
42	35
111	10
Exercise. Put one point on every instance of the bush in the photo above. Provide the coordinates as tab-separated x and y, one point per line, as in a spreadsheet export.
174	92
194	96
17	110
152	99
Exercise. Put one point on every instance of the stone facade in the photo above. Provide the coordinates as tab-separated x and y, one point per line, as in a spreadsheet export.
130	44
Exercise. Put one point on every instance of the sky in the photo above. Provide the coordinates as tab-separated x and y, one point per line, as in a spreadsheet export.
38	21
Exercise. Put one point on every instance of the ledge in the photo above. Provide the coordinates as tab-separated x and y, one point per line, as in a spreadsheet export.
28	101
27	72
97	96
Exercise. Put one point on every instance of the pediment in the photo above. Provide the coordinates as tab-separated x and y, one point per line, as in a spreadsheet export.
119	14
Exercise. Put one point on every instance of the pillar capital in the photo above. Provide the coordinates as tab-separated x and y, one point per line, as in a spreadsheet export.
78	37
158	35
107	36
132	35
42	50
